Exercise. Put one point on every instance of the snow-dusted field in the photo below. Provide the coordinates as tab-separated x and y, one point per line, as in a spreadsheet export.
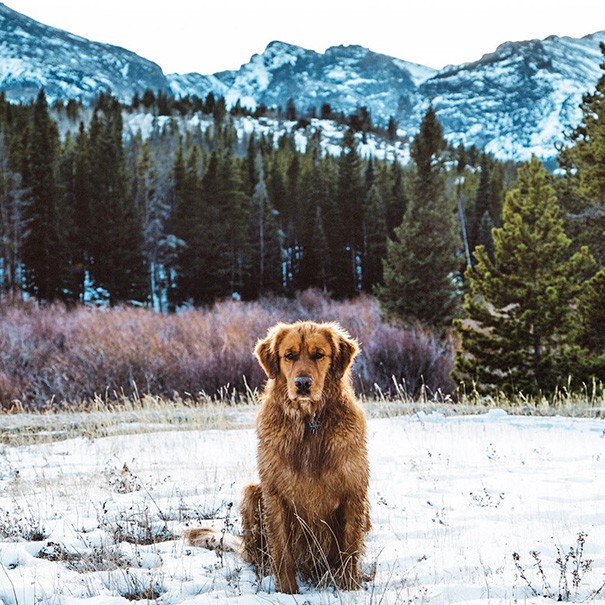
459	504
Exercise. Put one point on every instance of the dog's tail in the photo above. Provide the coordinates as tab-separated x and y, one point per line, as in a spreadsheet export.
213	539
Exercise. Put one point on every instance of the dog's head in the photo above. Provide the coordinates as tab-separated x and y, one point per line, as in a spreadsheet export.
305	356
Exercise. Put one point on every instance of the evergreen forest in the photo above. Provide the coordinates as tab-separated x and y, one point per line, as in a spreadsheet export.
190	216
508	257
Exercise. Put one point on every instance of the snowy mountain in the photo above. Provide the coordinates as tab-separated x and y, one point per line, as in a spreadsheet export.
516	101
33	55
346	77
519	99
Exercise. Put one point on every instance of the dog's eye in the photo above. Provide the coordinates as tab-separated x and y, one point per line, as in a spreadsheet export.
289	356
319	355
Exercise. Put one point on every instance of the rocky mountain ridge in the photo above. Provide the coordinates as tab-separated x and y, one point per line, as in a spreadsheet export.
516	101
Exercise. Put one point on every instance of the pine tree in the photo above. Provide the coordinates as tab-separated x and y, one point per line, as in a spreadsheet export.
375	238
520	320
252	153
291	110
277	188
392	129
484	236
265	267
213	239
45	252
348	230
321	252
482	202
396	198
583	190
314	268
219	111
189	282
73	269
13	226
293	211
203	261
209	103
591	333
83	226
116	242
461	160
421	265
211	218
234	209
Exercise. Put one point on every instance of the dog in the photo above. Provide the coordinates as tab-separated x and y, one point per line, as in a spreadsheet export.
309	513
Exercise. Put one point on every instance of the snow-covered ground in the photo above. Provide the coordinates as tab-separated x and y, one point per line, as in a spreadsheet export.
459	504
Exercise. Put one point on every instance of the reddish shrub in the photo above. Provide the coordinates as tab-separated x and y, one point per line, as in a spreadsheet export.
408	360
52	354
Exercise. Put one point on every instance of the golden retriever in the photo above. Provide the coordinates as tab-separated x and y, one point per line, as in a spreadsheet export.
310	512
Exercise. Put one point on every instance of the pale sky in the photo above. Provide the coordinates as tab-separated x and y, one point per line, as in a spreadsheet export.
210	36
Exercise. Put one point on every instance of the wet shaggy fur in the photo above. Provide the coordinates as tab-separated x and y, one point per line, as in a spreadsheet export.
309	513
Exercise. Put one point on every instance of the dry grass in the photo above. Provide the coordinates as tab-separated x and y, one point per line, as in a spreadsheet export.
100	418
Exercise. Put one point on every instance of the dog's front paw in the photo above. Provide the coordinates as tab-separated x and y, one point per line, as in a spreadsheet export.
349	578
287	585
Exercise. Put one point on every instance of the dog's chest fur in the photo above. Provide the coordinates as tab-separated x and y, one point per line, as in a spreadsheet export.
299	448
312	454
305	465
308	478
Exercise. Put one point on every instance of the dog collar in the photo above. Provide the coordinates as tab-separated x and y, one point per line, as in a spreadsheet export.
313	425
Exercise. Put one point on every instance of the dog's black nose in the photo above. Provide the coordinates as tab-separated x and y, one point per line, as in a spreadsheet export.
303	383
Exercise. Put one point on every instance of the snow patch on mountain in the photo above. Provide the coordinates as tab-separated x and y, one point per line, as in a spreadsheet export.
332	133
515	102
419	73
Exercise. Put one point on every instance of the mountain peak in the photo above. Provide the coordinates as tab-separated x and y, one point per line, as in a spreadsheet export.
280	46
348	48
6	10
34	56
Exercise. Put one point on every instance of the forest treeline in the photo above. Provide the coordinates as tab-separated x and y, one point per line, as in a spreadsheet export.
194	216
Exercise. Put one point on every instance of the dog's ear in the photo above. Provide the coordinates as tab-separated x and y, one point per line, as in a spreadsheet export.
346	348
266	352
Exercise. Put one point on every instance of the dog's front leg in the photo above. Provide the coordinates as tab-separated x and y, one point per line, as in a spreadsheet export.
354	518
278	534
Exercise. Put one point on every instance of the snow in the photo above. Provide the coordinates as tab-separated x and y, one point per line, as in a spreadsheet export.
278	54
13	68
331	140
147	123
337	74
418	73
453	498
